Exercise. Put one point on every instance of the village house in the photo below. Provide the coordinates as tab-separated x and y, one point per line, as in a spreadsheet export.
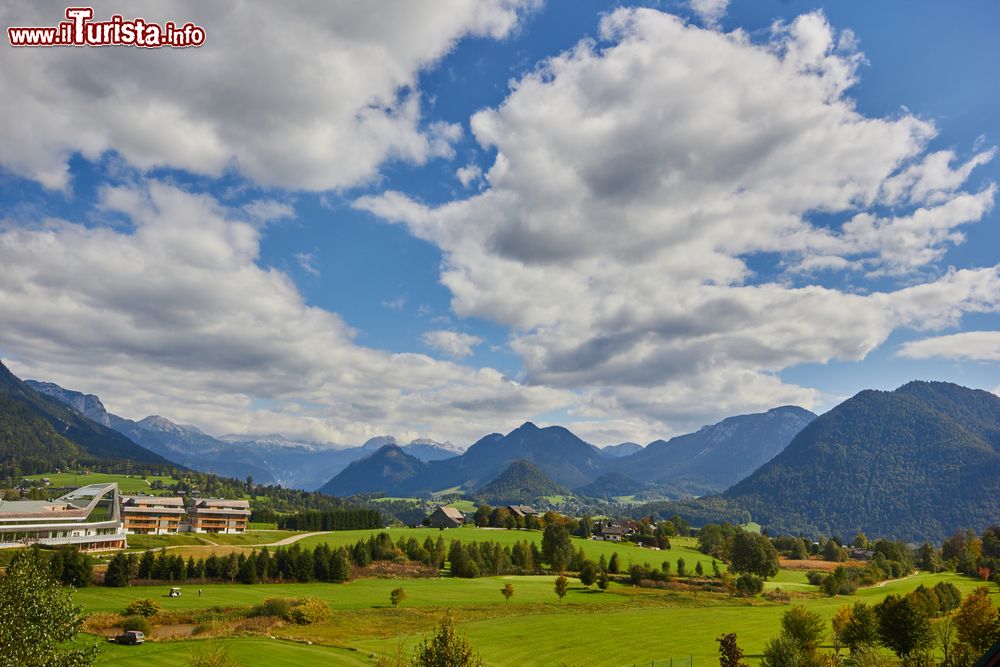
522	511
446	517
609	532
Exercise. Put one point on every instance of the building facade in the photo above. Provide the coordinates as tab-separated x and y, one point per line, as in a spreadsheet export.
88	518
152	515
216	515
446	517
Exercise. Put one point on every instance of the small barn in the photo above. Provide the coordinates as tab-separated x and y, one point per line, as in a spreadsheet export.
522	511
446	517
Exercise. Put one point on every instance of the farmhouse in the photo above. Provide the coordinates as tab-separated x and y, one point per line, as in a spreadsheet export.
88	518
152	515
609	532
446	517
521	510
217	515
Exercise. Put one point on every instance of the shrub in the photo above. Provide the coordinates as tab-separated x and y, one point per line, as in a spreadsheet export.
397	595
145	607
447	649
140	623
277	607
98	623
747	585
311	610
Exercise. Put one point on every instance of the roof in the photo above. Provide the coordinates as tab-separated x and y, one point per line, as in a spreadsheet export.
522	510
451	513
19	507
221	503
153	501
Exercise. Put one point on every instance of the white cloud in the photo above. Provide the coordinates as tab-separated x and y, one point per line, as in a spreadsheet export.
455	344
710	11
309	95
469	174
970	345
177	318
633	181
307	261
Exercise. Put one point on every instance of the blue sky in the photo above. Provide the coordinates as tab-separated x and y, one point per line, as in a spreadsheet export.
673	212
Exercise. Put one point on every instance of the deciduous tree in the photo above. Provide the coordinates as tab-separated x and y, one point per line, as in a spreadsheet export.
38	620
561	586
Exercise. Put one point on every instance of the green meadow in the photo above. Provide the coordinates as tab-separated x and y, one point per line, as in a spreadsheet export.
533	629
628	553
126	483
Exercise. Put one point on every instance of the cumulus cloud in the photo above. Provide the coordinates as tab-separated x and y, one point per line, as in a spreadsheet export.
455	344
969	345
709	11
175	316
469	174
308	95
633	181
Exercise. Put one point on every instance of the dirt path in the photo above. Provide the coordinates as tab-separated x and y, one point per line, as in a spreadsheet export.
883	583
208	544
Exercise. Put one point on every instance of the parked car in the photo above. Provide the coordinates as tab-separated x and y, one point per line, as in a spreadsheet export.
129	637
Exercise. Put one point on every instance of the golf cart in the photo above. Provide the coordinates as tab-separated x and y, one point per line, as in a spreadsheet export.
174	593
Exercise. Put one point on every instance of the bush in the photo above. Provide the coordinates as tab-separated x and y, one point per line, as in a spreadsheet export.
277	607
311	610
748	584
140	623
145	607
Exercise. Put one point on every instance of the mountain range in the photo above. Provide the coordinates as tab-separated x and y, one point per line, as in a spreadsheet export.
269	459
703	462
916	464
38	434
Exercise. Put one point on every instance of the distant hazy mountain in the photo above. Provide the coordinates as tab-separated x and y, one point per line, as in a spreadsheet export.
39	433
269	459
916	463
618	451
716	456
521	482
562	456
609	485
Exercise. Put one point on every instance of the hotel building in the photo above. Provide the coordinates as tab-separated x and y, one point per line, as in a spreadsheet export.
152	515
88	518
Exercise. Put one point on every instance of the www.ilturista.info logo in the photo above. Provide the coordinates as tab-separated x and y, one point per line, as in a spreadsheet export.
80	30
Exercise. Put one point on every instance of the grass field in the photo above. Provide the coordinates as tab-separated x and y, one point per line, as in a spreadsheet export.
250	537
249	652
533	630
126	483
628	553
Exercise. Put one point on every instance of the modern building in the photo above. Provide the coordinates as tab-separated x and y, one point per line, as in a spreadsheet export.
216	515
152	515
446	517
88	518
